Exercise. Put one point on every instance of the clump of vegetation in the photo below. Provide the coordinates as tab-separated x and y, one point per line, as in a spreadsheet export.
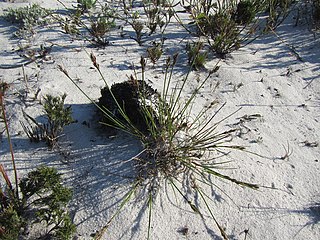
28	18
43	200
277	11
178	147
158	13
245	12
155	52
220	25
90	22
229	25
196	56
39	197
86	5
99	28
130	112
222	30
57	116
42	189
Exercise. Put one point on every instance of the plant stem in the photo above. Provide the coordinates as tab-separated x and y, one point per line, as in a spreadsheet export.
10	143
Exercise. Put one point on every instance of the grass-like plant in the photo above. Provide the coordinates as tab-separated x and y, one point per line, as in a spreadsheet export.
178	144
277	11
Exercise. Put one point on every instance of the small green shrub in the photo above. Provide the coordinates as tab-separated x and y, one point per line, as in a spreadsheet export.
196	57
245	12
99	28
42	192
27	18
49	198
86	5
223	31
57	118
155	52
10	222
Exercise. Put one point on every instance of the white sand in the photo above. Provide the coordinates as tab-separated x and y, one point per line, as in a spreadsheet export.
273	83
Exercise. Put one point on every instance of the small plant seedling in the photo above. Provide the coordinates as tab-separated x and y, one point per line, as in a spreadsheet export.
155	52
196	57
57	118
138	26
86	5
99	28
287	154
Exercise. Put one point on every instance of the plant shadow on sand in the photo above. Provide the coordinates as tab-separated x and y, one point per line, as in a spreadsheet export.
312	211
101	170
98	167
93	165
289	48
310	214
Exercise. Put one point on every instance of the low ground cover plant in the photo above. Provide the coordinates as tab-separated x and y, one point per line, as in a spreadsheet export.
28	18
178	147
89	21
41	199
93	20
38	198
58	116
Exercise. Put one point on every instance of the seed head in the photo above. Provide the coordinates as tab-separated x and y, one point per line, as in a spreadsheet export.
94	61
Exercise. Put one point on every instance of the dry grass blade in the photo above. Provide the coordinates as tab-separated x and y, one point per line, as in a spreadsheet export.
6	178
3	110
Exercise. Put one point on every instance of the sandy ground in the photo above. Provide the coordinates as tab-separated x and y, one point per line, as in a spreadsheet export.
265	79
